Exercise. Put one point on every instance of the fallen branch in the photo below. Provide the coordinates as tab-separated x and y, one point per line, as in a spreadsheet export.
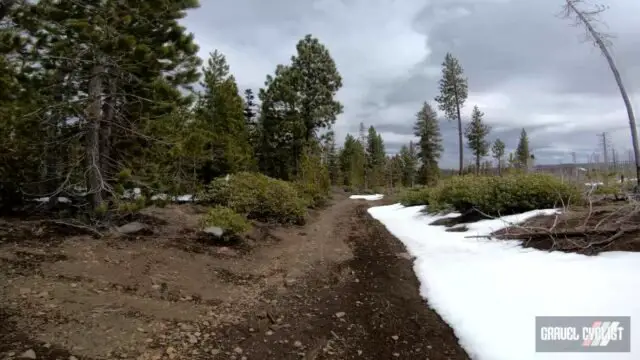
83	227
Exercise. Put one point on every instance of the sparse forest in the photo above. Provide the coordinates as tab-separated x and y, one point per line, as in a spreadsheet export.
148	200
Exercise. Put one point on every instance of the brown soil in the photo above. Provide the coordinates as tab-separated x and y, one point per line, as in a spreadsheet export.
340	287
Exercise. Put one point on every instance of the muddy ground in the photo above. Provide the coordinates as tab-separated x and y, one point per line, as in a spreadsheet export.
340	287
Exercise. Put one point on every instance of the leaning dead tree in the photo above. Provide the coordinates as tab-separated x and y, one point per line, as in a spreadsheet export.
588	18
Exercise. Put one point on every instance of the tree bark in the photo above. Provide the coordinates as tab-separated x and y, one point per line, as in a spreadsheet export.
106	123
623	92
92	146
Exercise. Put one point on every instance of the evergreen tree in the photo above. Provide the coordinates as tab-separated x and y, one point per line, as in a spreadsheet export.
476	133
453	94
331	156
117	70
430	148
522	154
221	111
353	162
497	151
375	155
297	101
409	161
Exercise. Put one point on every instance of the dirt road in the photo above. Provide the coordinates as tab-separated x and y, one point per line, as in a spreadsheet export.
340	287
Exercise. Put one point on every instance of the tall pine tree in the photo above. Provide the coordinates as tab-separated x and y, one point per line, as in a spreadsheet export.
453	94
430	148
522	153
476	133
497	151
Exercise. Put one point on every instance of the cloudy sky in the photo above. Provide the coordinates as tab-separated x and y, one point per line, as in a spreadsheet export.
526	66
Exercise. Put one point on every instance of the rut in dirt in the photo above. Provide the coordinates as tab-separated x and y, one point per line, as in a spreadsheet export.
369	309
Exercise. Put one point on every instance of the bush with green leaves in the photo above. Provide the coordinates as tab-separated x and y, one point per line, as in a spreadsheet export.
416	196
225	218
313	182
257	197
503	195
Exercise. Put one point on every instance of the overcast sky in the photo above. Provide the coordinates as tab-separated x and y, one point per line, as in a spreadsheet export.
526	66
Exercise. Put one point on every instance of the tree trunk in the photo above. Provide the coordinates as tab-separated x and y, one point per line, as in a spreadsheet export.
477	165
92	146
499	167
106	123
460	143
623	91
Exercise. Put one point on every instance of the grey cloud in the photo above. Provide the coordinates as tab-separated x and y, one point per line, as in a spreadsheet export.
519	48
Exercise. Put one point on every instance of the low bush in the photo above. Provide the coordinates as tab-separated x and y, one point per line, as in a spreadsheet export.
502	195
225	218
416	196
257	197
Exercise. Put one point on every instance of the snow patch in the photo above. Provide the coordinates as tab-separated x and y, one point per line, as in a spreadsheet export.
490	291
367	197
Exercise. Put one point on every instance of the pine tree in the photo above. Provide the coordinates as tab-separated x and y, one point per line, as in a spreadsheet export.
522	154
353	162
476	133
375	155
297	101
409	161
332	160
221	112
430	147
251	121
497	151
118	74
453	94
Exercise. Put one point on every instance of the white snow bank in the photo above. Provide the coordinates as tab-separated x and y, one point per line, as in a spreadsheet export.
490	292
367	197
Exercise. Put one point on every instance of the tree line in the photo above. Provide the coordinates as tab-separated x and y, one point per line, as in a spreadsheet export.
97	97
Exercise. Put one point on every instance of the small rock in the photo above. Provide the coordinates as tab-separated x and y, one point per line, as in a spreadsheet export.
132	228
29	354
71	357
395	337
193	339
269	333
238	350
297	344
214	230
215	352
359	352
396	354
170	350
25	291
404	255
340	314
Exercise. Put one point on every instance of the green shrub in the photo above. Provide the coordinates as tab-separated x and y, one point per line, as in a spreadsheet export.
313	182
611	189
502	195
225	218
258	197
416	196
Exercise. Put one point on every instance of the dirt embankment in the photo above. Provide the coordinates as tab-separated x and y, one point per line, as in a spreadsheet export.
340	287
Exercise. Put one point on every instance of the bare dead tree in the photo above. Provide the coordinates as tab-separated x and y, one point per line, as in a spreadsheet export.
588	18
